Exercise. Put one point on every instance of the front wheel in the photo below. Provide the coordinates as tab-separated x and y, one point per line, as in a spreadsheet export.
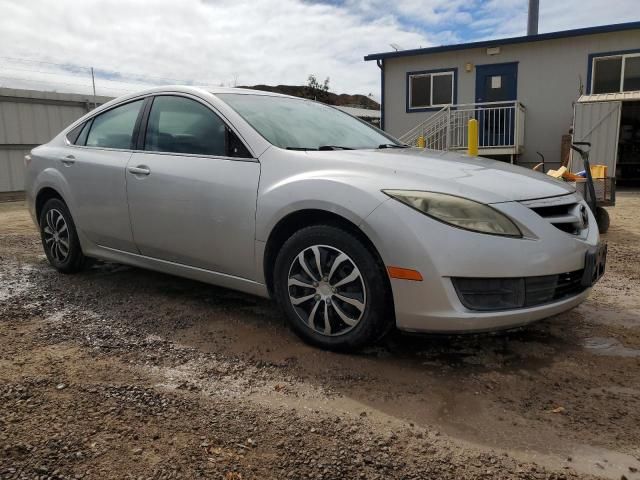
59	237
333	289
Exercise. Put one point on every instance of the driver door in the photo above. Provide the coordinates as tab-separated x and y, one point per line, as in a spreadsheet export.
192	190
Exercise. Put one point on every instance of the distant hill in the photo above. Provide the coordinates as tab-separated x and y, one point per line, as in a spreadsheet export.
342	99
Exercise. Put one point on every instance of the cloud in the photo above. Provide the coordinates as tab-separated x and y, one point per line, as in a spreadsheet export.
584	13
217	42
262	41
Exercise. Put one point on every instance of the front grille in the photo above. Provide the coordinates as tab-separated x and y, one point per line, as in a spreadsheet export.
540	290
493	294
564	213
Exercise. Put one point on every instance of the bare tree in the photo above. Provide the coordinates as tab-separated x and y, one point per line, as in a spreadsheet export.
316	90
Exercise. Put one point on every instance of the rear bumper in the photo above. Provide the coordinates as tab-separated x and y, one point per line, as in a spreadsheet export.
31	207
406	238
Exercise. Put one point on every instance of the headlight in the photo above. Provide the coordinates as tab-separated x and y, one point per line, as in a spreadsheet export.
458	211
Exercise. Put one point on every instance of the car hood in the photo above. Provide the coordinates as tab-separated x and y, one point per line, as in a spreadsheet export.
477	178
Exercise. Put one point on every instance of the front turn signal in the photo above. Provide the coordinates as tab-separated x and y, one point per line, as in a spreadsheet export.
404	274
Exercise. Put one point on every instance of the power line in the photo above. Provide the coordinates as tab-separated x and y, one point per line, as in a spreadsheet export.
44	72
55	83
106	71
61	73
68	71
43	81
67	74
64	75
16	59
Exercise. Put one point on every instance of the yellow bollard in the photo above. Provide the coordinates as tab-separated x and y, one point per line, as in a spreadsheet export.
422	143
473	137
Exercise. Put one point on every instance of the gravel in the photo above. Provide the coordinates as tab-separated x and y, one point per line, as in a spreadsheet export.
122	373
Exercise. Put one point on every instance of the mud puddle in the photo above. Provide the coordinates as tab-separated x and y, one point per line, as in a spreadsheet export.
464	416
629	318
609	347
451	383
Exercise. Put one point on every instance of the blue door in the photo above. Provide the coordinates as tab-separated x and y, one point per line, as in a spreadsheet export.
497	83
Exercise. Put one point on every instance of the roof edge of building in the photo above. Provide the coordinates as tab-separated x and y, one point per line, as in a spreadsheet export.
615	27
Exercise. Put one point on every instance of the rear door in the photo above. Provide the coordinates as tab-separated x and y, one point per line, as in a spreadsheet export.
94	167
192	189
599	124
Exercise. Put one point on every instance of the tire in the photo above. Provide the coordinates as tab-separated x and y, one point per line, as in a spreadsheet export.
602	219
354	273
60	238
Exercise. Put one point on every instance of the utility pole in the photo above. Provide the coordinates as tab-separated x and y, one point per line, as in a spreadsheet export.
532	18
93	81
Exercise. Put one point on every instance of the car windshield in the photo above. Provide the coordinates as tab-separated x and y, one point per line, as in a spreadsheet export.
300	124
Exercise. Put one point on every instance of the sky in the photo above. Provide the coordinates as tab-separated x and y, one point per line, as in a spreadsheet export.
51	44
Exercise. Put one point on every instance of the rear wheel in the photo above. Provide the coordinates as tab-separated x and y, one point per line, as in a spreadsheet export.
332	289
59	237
602	219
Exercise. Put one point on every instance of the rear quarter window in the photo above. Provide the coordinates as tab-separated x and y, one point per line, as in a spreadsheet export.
74	134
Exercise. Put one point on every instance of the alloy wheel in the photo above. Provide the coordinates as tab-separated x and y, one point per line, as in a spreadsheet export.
56	235
326	289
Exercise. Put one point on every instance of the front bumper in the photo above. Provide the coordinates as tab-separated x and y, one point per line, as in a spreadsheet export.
406	238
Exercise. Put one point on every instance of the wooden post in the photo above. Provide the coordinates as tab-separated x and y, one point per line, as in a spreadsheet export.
565	150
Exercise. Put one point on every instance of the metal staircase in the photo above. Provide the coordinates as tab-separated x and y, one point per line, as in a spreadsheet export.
501	128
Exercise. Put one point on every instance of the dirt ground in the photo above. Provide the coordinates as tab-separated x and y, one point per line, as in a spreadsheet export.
123	373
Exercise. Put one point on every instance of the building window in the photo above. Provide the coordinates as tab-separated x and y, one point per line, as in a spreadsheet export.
431	89
616	73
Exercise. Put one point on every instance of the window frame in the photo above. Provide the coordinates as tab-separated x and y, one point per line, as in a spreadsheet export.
139	130
432	73
623	54
140	143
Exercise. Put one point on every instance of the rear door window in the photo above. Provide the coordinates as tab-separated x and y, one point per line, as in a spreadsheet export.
114	128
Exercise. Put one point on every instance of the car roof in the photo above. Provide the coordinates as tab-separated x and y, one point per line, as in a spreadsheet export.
203	91
246	91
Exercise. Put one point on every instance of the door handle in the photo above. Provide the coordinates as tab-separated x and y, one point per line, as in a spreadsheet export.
68	160
139	170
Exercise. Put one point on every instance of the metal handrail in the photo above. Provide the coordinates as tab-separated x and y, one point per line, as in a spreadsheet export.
423	125
483	104
502	126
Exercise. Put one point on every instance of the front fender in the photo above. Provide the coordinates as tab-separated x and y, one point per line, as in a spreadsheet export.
321	192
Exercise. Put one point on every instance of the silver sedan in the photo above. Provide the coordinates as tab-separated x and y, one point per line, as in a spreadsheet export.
350	231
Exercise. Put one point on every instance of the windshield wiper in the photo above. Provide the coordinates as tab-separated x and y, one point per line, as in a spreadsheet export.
333	147
321	147
392	145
